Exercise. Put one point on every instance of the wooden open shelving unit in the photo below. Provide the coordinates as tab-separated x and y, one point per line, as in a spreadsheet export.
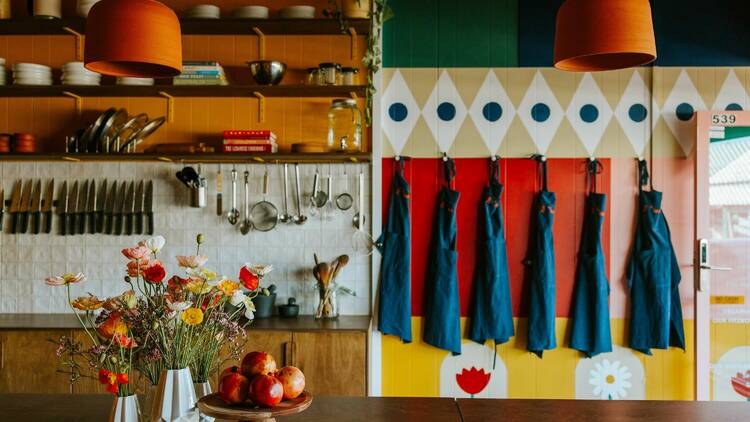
359	157
344	91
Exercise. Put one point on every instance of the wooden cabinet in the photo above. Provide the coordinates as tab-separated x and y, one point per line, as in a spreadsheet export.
334	363
28	363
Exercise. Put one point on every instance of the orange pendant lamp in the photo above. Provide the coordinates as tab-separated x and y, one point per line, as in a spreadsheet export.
598	35
136	38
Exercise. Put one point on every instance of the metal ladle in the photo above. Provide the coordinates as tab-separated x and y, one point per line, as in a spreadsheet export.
246	224
234	214
298	219
285	217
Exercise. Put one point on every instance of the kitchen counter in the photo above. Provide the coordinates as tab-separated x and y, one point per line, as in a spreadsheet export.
95	408
304	323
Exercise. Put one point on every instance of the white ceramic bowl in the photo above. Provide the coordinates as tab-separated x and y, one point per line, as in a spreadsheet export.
84	6
251	12
135	81
204	11
33	67
297	12
31	82
80	81
31	75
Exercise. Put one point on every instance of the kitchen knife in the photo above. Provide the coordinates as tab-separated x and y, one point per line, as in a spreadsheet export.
2	207
35	207
119	208
219	205
99	209
62	208
129	209
91	208
15	199
23	208
139	208
109	210
47	206
81	208
149	207
72	209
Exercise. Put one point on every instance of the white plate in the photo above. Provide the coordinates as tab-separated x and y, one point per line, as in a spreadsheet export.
297	12
251	12
45	83
32	67
203	11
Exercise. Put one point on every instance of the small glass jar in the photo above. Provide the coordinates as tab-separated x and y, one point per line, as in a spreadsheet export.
313	76
344	126
329	72
349	76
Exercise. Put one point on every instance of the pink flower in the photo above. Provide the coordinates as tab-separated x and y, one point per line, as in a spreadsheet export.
192	261
137	253
65	279
136	268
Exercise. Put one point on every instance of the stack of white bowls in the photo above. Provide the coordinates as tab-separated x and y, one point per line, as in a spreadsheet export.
74	73
297	12
84	6
32	74
2	71
203	11
124	80
251	12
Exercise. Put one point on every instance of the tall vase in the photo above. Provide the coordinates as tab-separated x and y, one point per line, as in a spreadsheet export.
203	389
175	396
125	409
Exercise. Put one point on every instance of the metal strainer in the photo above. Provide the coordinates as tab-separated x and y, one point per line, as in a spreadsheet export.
264	214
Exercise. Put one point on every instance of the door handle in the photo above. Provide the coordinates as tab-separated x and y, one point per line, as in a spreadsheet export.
712	268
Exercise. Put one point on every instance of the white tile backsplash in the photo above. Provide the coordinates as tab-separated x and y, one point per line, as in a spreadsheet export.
25	259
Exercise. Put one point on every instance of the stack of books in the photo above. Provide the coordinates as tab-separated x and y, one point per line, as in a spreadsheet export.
201	73
248	141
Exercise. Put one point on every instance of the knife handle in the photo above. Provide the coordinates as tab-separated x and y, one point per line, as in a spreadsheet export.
13	222
150	228
118	225
129	224
99	222
63	224
109	220
91	217
24	223
82	223
139	223
36	220
48	222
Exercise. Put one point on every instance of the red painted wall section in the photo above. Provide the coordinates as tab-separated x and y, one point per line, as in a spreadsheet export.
567	178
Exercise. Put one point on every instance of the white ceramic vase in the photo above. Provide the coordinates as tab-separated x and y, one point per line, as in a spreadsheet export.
125	409
175	396
203	389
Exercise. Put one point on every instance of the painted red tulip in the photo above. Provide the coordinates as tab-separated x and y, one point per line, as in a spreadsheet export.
741	384
473	381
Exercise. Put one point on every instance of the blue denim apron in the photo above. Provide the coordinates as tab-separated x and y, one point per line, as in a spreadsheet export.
653	278
442	322
542	271
394	307
492	316
590	314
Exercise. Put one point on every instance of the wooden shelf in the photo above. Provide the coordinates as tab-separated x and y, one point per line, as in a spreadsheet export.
344	91
225	26
362	157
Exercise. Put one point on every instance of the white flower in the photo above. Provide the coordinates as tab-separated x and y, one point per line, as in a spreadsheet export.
259	269
155	244
192	261
249	314
178	306
238	298
610	381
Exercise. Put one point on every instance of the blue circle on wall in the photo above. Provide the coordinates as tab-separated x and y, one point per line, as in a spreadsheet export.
733	107
446	111
540	112
589	113
685	112
638	113
398	112
492	111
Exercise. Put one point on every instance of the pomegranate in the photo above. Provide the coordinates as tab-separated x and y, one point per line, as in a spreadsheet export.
258	363
266	391
233	388
293	381
230	370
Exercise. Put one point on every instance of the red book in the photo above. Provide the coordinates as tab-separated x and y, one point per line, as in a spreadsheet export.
249	141
250	148
248	134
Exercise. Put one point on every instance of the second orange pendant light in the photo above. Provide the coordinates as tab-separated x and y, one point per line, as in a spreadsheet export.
136	38
598	35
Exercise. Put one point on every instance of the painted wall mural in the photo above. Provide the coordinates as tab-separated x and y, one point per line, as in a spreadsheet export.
478	372
613	376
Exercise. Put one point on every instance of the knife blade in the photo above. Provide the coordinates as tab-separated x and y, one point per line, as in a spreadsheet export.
149	207
90	207
139	208
2	207
129	209
35	207
47	206
109	209
99	208
72	209
62	209
15	199
81	208
23	208
120	208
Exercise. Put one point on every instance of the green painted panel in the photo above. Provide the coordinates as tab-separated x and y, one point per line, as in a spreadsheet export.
451	33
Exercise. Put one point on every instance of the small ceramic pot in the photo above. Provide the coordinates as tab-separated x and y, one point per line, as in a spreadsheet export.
264	305
356	9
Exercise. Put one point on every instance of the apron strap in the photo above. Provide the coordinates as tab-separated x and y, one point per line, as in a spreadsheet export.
593	168
542	160
449	171
643	177
495	170
401	164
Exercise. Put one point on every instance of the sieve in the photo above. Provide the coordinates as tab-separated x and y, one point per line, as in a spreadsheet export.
264	214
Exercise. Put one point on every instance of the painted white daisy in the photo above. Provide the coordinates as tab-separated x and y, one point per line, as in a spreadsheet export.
610	380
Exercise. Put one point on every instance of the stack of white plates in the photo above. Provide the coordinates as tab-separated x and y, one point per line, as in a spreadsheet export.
203	11
32	74
297	12
2	71
74	73
124	80
251	12
84	6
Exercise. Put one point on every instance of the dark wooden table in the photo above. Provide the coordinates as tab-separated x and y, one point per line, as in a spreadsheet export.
95	408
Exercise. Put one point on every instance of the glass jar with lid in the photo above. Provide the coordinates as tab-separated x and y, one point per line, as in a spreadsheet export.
329	72
344	125
313	76
349	76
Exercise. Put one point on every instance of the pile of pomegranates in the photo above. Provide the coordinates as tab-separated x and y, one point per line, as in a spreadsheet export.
258	380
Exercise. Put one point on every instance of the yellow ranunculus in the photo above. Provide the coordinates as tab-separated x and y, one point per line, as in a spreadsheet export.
87	303
192	316
198	286
228	287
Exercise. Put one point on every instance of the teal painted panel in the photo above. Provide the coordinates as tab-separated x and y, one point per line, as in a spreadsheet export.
451	33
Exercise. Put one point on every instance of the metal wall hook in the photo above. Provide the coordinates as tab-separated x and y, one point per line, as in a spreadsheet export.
445	157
